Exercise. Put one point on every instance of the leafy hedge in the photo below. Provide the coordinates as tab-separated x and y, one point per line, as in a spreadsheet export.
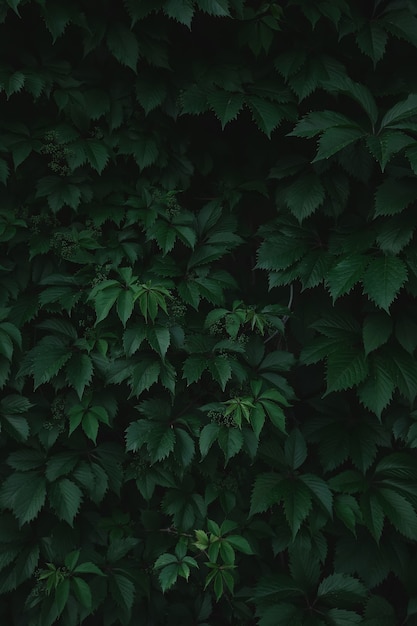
208	321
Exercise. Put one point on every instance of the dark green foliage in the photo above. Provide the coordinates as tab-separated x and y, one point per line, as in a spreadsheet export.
207	313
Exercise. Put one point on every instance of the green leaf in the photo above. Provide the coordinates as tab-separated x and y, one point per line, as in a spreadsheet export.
394	195
61	595
48	357
180	10
373	515
345	274
386	144
345	368
400	111
82	592
295	449
226	105
265	493
395	234
104	298
159	339
372	41
221	370
383	280
341	588
25	460
145	374
405	373
230	441
65	498
347	510
168	576
165	559
399	511
334	140
146	151
90	426
24	494
240	543
149	91
123	45
160	441
208	436
122	590
320	490
304	196
297	504
88	568
219	8
125	305
317	122
377	329
267	115
376	392
406	332
97	154
79	372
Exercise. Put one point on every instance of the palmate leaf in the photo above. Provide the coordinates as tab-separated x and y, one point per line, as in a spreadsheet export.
406	332
230	441
386	144
345	368
297	504
345	274
334	140
405	372
65	498
160	441
341	589
47	359
25	494
97	154
264	493
295	449
180	10
372	41
383	279
146	151
395	233
123	45
376	392
394	195
219	8
122	590
400	111
304	196
373	515
226	105
399	511
320	491
79	372
144	375
377	329
220	370
267	115
317	122
159	339
82	592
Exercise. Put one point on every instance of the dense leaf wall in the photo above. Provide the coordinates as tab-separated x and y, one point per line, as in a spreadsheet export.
207	312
